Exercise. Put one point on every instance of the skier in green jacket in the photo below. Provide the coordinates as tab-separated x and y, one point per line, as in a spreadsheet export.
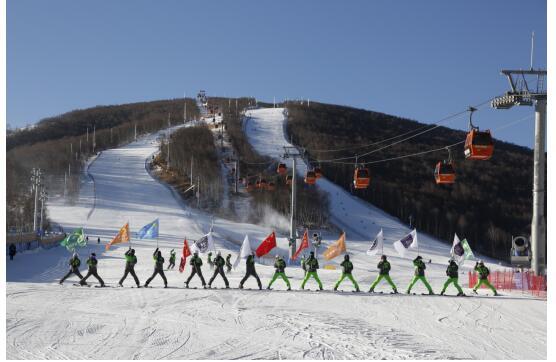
312	265
304	264
130	261
228	263
452	273
250	271
419	275
92	263
209	259
158	268
196	262
172	262
219	269
383	273
347	268
74	264
483	277
280	266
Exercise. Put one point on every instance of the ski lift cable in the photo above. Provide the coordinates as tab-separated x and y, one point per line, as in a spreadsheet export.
480	105
428	151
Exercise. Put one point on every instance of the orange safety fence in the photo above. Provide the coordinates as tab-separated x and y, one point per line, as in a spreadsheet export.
526	282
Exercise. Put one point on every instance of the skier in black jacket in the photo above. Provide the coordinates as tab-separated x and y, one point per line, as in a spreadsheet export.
158	268
92	263
219	269
250	271
196	262
12	251
74	263
130	261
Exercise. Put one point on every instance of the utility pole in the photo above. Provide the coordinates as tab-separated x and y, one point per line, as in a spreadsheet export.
36	180
94	137
43	197
293	153
184	109
135	131
198	191
237	174
191	173
525	92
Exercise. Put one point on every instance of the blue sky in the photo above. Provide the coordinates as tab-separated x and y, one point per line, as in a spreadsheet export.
417	59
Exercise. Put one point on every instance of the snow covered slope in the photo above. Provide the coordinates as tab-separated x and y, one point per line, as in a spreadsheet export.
45	320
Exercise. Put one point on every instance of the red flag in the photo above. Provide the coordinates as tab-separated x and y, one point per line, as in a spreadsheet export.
267	245
304	244
185	253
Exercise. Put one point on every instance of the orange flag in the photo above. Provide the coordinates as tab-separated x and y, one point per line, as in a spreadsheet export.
304	244
122	237
336	249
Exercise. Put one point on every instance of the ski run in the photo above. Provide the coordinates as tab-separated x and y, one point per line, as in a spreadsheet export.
46	320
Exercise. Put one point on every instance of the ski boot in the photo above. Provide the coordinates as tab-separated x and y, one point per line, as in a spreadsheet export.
442	293
240	286
461	294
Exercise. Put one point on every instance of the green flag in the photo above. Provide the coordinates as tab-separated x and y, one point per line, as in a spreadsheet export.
468	253
74	240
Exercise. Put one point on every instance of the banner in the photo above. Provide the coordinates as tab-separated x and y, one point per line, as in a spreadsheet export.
244	252
74	240
377	244
267	245
461	251
184	254
204	244
408	241
121	237
304	244
149	231
336	249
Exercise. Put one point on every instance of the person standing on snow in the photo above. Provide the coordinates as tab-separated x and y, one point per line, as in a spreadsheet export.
196	262
12	250
419	275
158	268
452	273
172	262
483	278
229	263
280	266
347	268
384	272
219	269
74	264
130	261
250	271
92	263
304	264
209	260
312	265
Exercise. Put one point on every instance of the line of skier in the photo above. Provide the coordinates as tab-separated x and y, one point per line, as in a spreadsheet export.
310	266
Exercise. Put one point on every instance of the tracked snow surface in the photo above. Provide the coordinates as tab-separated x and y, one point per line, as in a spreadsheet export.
46	320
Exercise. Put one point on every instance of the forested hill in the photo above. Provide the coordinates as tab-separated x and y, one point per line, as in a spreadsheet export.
490	201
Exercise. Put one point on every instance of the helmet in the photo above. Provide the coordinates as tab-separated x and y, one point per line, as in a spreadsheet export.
481	262
277	256
419	257
93	254
218	253
74	254
346	257
383	257
196	253
312	253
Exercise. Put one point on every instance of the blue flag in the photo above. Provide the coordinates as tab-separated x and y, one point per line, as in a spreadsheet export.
149	231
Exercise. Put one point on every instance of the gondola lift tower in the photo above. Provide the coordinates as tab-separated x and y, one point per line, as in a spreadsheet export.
527	88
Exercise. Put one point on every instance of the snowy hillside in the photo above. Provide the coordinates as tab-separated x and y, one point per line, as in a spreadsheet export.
46	320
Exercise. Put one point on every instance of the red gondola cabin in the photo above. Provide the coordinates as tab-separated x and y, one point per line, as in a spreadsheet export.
478	145
444	173
361	178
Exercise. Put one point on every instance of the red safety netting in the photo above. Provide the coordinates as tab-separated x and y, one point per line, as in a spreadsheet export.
526	282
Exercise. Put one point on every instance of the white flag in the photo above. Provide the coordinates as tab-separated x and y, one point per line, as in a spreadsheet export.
377	244
244	252
204	244
408	241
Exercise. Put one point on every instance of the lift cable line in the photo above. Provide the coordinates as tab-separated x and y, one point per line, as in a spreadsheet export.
432	126
422	152
435	126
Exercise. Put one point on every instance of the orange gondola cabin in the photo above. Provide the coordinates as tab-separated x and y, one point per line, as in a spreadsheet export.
478	145
282	169
250	186
318	172
310	178
361	178
444	173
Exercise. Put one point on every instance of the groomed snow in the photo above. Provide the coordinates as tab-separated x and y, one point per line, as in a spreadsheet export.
45	320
